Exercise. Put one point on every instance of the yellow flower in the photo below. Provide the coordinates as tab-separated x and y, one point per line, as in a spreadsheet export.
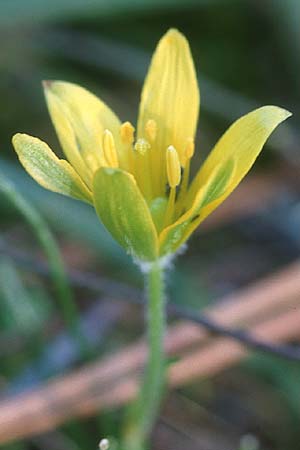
139	183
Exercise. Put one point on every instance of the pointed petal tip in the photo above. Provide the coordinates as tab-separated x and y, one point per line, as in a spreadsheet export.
278	111
112	172
47	84
285	113
109	170
173	32
173	35
52	85
17	137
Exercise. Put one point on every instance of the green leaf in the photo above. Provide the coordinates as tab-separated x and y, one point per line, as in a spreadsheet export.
124	212
48	243
21	311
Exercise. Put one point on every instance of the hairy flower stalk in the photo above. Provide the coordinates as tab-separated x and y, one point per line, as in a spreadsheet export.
139	180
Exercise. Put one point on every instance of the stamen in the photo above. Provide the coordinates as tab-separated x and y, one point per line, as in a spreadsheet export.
189	152
142	171
127	137
190	148
151	130
109	149
127	133
142	146
170	207
174	177
173	167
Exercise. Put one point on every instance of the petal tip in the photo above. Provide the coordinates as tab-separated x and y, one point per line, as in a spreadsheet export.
110	170
50	85
47	84
16	139
282	113
286	114
55	86
173	35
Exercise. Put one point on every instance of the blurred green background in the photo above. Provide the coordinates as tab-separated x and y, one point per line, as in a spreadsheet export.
246	54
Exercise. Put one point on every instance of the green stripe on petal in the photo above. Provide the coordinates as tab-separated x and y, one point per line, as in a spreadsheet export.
47	169
242	142
225	167
172	237
124	212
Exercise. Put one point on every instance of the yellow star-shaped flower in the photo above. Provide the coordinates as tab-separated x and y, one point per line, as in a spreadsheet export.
139	182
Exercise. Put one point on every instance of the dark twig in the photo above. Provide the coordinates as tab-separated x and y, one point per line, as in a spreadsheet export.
122	291
244	337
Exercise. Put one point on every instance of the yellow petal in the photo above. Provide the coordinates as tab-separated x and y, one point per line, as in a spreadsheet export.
49	171
225	167
242	142
170	97
80	119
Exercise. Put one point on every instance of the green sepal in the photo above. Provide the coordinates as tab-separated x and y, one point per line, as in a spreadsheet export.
47	169
124	212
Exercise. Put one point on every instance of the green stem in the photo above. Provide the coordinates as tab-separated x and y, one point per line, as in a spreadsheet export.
144	411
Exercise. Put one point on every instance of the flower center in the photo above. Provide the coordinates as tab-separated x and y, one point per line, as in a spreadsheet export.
158	172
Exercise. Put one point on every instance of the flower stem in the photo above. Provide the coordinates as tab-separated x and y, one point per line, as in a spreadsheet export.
144	411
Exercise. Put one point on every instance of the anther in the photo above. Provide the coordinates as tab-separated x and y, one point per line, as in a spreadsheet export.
142	146
190	148
109	149
173	167
127	133
151	130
